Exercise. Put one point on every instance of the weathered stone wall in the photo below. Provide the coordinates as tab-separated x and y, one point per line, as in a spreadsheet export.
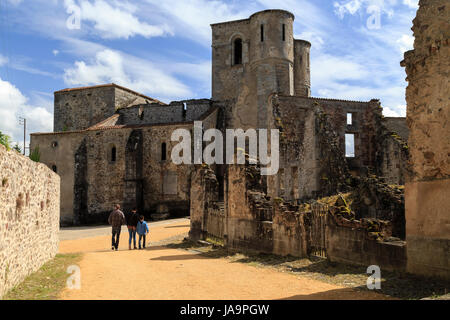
363	122
352	244
203	204
158	113
253	221
312	144
393	158
397	125
428	116
29	217
92	182
299	169
106	181
80	108
59	150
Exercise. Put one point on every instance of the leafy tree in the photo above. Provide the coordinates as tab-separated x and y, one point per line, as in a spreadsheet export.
5	140
35	155
17	148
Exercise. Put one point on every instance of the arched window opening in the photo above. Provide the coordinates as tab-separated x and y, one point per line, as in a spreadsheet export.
238	51
113	154
262	33
163	151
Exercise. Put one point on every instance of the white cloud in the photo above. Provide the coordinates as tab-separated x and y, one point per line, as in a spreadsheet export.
414	4
3	60
315	39
364	6
14	104
192	18
140	75
398	111
326	68
55	52
350	7
405	43
119	21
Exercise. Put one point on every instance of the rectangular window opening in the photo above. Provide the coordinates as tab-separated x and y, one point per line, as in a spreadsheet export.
284	32
349	145
349	119
262	33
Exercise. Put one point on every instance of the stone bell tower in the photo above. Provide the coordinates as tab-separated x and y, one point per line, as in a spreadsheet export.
255	57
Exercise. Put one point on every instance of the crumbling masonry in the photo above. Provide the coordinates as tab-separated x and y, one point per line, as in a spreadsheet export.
113	145
428	115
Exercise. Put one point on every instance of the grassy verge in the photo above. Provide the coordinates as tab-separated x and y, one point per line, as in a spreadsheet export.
47	282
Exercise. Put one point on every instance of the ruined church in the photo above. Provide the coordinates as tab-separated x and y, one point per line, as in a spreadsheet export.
112	145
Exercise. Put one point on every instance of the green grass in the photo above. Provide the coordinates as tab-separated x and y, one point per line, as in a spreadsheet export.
47	282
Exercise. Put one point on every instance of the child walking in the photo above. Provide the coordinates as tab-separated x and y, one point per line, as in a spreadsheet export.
142	230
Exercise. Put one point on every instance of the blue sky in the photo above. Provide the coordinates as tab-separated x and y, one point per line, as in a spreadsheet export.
162	48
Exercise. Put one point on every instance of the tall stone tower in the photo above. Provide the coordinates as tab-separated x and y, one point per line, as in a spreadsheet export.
427	194
255	57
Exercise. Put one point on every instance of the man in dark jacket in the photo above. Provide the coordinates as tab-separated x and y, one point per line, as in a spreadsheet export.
116	220
132	221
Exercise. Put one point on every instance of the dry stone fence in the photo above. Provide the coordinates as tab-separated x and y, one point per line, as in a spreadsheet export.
29	217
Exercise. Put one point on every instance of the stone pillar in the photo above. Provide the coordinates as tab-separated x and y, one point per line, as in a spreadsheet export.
204	191
427	195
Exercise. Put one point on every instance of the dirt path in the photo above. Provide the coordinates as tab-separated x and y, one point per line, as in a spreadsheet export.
161	273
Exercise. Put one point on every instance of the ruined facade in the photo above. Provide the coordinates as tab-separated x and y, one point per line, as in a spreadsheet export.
112	145
428	115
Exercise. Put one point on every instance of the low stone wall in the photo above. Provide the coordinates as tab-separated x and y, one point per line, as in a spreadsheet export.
215	221
355	246
253	221
29	217
257	223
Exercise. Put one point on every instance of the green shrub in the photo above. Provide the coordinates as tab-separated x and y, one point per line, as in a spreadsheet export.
5	140
35	155
17	148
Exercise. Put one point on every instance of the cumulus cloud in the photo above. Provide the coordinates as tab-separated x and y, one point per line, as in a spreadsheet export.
13	104
116	21
141	75
350	78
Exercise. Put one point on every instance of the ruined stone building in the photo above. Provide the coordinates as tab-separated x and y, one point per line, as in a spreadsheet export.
427	195
113	145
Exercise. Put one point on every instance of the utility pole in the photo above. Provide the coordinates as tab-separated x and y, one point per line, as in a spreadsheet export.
23	121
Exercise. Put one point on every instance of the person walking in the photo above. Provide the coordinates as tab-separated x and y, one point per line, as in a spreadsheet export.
132	221
116	220
142	230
